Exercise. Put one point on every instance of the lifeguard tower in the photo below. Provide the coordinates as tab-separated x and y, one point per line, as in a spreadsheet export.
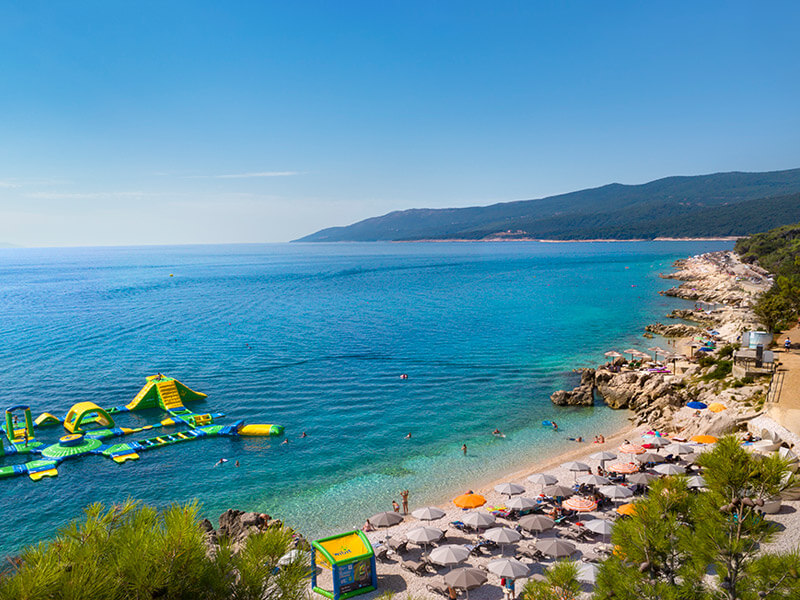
351	561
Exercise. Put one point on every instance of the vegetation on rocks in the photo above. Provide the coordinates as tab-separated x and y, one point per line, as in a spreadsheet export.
778	251
132	551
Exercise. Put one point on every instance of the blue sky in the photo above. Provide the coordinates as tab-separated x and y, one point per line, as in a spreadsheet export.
210	122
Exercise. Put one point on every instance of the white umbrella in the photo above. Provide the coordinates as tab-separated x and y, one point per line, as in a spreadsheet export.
576	466
509	489
593	480
465	579
649	457
520	503
587	573
600	526
555	547
543	479
385	519
669	469
558	490
536	523
508	567
424	535
678	448
478	520
429	513
502	535
696	482
616	492
449	555
641	478
603	456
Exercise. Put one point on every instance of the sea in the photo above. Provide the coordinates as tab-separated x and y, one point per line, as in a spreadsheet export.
317	337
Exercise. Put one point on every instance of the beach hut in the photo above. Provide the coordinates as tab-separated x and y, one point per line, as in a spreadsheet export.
351	562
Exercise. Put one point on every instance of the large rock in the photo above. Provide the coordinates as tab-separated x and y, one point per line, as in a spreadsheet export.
583	395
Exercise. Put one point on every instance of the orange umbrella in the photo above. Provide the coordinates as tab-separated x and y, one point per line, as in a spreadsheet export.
704	439
579	504
631	449
623	468
469	501
627	509
717	407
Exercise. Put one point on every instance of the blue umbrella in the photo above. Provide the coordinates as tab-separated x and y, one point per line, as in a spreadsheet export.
696	405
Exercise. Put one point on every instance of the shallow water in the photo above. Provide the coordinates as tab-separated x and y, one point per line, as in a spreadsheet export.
315	337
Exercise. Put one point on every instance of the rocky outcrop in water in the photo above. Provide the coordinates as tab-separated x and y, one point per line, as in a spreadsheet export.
582	395
674	330
237	526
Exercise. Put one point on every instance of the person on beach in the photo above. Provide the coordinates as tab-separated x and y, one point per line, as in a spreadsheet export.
601	438
404	497
464	449
395	506
787	344
367	527
452	593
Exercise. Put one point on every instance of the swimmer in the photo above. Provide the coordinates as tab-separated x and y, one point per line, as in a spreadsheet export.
286	441
404	376
496	432
237	464
464	449
304	434
555	426
408	436
221	461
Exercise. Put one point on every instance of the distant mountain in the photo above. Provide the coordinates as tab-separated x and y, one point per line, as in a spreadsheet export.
722	204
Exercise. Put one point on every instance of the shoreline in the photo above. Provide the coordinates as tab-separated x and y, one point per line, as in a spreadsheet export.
545	240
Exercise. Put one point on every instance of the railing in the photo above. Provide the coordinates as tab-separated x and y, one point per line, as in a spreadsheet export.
775	386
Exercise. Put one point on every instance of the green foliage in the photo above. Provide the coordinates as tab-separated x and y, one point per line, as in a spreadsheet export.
560	583
726	351
722	369
705	360
778	251
656	556
132	551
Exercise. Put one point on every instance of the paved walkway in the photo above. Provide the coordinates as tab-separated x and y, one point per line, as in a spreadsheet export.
786	410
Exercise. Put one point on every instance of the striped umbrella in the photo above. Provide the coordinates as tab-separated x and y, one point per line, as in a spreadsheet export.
629	448
579	504
623	468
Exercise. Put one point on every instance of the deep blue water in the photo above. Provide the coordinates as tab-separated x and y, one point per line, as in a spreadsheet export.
315	337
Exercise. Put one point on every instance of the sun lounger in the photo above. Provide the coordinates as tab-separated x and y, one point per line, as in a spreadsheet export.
416	567
592	557
438	588
397	545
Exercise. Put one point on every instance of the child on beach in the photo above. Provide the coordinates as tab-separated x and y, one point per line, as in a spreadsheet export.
395	506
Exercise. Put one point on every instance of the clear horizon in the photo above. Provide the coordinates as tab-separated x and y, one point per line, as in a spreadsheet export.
201	123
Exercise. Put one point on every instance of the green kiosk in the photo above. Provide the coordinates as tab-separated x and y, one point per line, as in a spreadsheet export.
351	561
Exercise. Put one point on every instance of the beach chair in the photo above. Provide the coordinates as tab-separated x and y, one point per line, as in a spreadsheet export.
414	566
382	554
459	525
397	545
438	588
592	557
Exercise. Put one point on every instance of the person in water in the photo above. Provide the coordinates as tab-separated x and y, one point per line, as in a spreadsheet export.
408	436
286	441
221	461
555	426
496	431
464	449
237	464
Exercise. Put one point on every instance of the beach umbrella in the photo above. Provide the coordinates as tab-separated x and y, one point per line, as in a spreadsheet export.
696	482
536	523
600	526
627	509
669	469
641	478
623	468
424	535
555	547
478	520
656	351
612	354
386	519
520	503
616	492
579	504
449	555
603	456
717	407
509	489
593	480
649	457
543	479
587	573
469	501
678	448
557	491
508	567
656	442
466	578
502	536
697	405
429	513
632	352
629	448
576	466
704	439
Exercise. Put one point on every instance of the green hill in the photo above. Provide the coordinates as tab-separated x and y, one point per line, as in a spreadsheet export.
722	204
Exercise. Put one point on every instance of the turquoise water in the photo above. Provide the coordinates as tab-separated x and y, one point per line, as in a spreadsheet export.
315	337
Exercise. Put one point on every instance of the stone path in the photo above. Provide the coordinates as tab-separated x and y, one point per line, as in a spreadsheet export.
786	410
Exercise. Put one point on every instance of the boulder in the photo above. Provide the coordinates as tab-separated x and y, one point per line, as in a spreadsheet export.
583	395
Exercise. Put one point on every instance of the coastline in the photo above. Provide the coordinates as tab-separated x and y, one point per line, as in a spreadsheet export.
552	241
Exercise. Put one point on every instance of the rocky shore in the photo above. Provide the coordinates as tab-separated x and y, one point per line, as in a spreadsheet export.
724	290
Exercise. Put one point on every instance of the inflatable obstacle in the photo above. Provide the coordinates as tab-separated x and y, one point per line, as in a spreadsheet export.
92	430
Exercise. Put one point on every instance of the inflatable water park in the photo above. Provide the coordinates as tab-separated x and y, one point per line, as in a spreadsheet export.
92	430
